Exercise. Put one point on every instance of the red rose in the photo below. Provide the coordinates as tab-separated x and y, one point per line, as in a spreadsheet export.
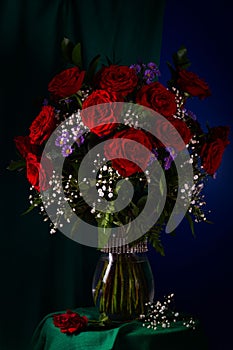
70	322
24	146
102	114
43	126
37	175
220	132
212	150
125	150
166	136
211	155
121	79
192	84
66	83
157	97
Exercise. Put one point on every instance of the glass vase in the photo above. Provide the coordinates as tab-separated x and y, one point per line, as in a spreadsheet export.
122	283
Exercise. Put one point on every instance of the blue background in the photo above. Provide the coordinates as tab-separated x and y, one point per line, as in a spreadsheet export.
199	270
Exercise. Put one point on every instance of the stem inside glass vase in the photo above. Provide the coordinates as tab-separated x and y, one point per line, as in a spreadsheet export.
122	284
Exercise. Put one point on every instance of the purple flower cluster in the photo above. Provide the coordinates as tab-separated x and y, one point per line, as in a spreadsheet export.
66	139
168	160
147	72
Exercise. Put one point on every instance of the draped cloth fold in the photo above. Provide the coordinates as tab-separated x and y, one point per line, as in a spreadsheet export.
130	336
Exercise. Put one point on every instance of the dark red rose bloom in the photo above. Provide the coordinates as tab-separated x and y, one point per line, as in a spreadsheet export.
101	114
166	136
36	174
24	146
66	83
220	132
213	149
70	322
190	82
43	126
158	98
211	155
127	151
121	79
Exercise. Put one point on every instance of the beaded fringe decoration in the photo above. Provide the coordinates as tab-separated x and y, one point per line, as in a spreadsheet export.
117	245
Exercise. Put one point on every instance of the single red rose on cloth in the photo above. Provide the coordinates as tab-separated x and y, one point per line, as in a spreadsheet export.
37	175
211	155
70	322
158	98
121	79
43	126
67	82
192	84
24	146
105	114
138	157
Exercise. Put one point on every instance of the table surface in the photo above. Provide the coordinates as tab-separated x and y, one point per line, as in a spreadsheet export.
126	336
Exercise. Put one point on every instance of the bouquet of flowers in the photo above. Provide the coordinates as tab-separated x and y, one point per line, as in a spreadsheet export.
107	139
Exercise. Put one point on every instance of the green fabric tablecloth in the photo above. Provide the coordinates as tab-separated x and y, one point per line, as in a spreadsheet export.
125	336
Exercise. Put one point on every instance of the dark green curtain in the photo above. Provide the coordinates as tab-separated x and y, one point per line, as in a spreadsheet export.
41	273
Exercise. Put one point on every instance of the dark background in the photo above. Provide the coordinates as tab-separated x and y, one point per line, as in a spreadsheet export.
199	270
40	273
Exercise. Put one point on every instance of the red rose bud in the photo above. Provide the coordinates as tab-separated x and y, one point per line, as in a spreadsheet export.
70	322
120	79
43	126
190	82
104	114
124	149
66	83
158	98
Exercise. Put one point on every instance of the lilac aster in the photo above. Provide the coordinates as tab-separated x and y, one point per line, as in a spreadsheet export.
62	140
136	67
66	150
79	140
191	115
153	66
149	76
168	160
45	102
153	157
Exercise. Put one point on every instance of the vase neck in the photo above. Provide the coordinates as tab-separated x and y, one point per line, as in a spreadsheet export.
117	246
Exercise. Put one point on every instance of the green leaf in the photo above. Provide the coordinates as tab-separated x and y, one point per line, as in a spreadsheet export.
67	47
75	227
180	58
191	224
135	209
161	186
33	205
109	61
14	165
92	69
154	240
77	55
142	202
78	100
